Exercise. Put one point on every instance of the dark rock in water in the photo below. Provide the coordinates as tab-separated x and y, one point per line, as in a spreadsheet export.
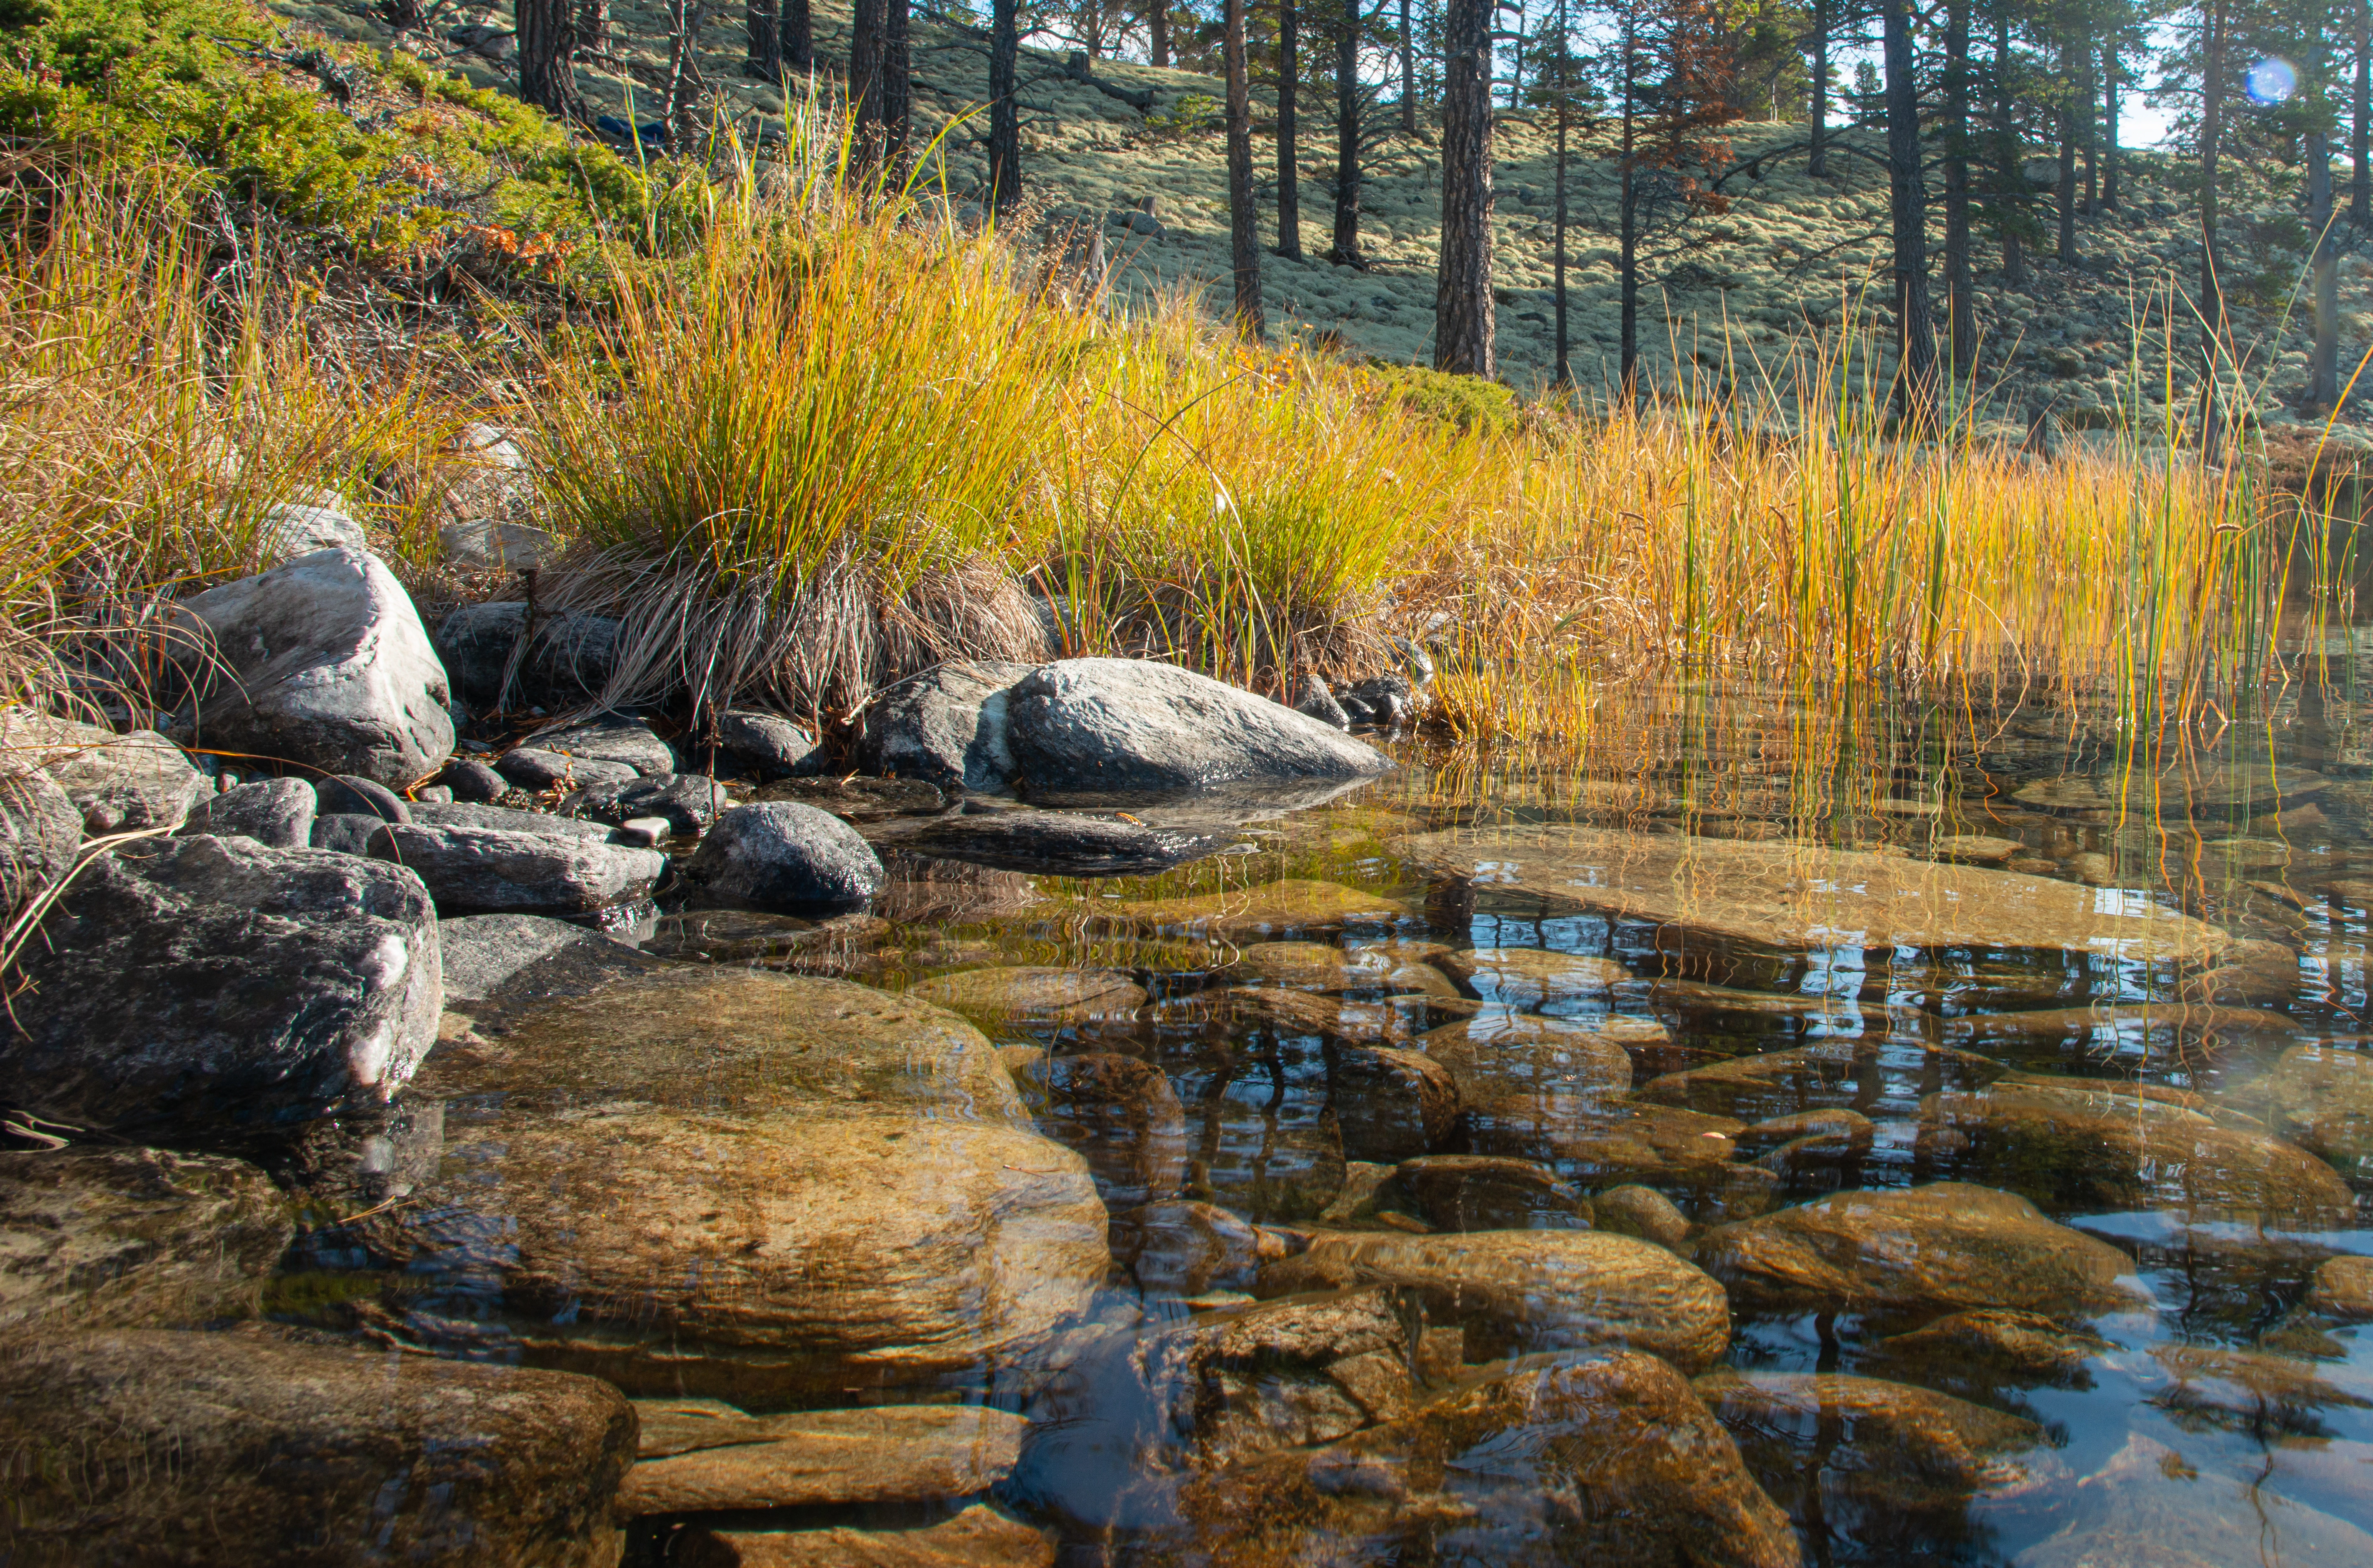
1609	1462
1314	701
977	1536
1059	844
485	954
231	1450
608	737
782	855
1389	698
946	727
1989	1347
121	1238
1917	1252
1120	1115
276	813
1188	1249
1355	711
359	797
1480	1192
481	871
1516	1290
195	983
700	1456
859	800
503	819
40	832
473	781
1119	724
689	801
732	936
1391	1104
119	783
569	662
535	770
769	745
1887	1466
347	833
321	661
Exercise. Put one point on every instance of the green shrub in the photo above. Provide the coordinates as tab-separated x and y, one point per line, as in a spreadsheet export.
1469	402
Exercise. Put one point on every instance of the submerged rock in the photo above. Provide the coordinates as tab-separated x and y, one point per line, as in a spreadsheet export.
1499	1055
192	983
1988	1347
1635	1211
276	813
1863	1075
1119	724
1389	1104
1613	1142
479	871
484	954
1034	995
1388	969
1121	1115
321	661
2216	787
1920	1251
230	1450
1606	1461
698	1455
2151	1505
859	800
945	727
1528	1290
1188	1249
115	1238
1524	978
1480	1192
978	1536
1276	908
2322	1096
1059	844
780	855
2343	1288
1724	907
2088	1146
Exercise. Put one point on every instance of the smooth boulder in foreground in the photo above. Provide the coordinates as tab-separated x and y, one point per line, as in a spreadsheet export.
782	855
204	981
236	1449
478	871
1085	725
322	662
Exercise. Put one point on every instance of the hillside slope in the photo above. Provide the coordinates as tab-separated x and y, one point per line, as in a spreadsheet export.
2076	344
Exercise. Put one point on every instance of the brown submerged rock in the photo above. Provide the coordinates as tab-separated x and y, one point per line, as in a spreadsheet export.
698	1455
1188	1248
1039	996
1862	1075
1480	1192
1919	1251
1999	1345
1727	907
1524	979
979	1537
1497	1055
1686	1154
120	1238
1303	1013
2343	1287
1119	1114
2322	1096
1386	968
1528	1290
1390	1105
2251	1391
2150	1505
1635	1211
1293	905
1611	1463
244	1448
2083	1145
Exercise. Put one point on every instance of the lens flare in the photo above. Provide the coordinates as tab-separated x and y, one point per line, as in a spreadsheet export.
2272	80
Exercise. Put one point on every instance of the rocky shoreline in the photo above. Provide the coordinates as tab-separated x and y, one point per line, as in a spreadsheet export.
548	1163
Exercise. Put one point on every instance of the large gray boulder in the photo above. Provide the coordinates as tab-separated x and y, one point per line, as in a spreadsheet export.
1093	725
504	819
323	662
276	813
119	783
299	528
190	983
769	745
39	830
232	1450
947	727
479	871
782	855
608	737
569	661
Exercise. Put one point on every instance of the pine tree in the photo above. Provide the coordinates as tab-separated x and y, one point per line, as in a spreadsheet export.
547	42
1244	229
1463	309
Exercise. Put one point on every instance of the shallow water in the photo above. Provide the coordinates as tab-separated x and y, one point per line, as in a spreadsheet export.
1564	938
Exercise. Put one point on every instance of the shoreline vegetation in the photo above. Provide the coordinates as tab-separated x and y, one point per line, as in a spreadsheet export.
805	434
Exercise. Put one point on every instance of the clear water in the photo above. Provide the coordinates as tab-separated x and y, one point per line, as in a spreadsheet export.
2269	1459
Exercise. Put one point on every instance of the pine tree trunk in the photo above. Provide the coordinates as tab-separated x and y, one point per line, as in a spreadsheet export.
1346	249
1908	203
1157	23
1463	310
684	109
2089	127
766	54
1408	72
1627	224
799	35
547	38
2212	289
897	82
1564	366
2010	164
2323	373
1004	114
592	25
2067	191
1959	295
1818	164
1243	229
1289	149
867	19
2110	123
2360	135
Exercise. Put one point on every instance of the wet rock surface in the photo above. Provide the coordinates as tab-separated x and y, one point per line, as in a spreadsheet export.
1030	994
1059	844
978	1536
689	801
245	1447
1119	1115
208	983
700	1455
